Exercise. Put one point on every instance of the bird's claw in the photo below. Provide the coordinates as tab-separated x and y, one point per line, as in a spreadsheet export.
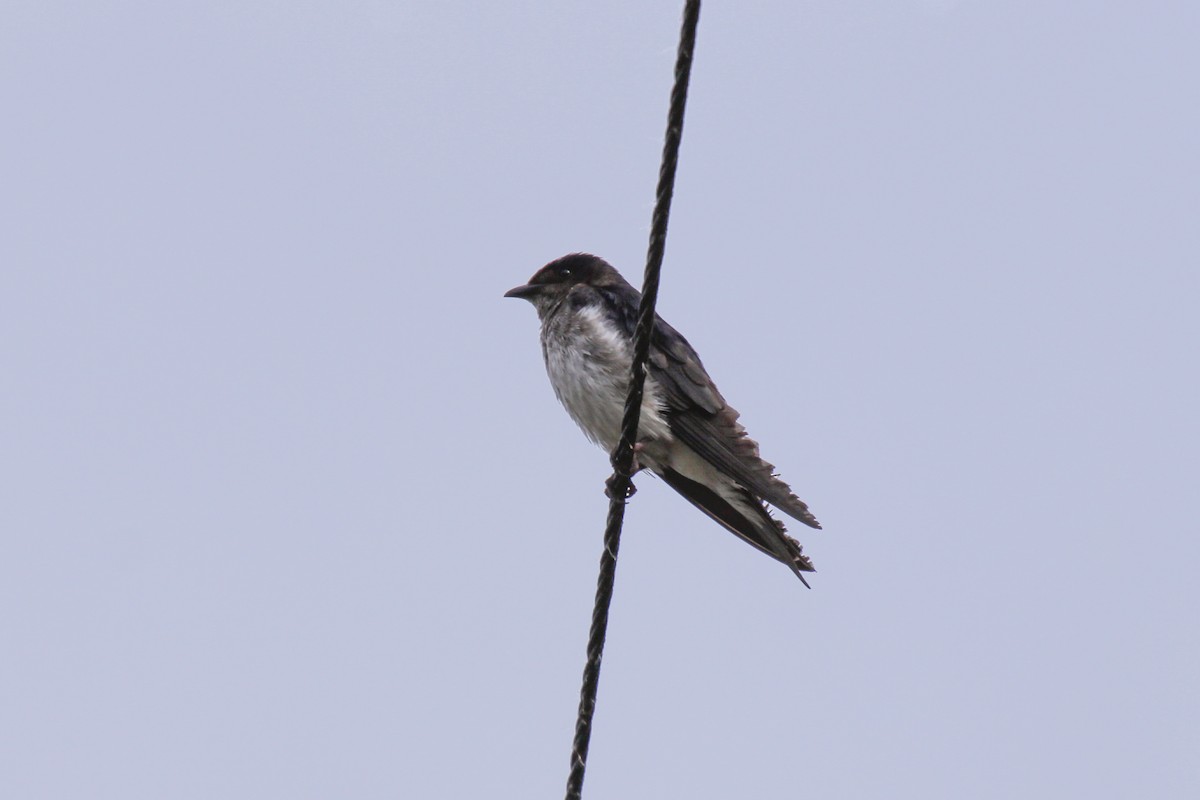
611	489
610	486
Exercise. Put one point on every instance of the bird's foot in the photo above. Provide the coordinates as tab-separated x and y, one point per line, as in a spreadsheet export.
611	489
636	467
610	486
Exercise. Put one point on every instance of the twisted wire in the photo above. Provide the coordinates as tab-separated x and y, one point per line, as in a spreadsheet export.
620	483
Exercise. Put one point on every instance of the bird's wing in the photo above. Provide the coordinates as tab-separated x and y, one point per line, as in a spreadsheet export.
702	419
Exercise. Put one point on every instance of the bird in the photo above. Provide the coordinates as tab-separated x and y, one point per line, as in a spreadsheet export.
687	434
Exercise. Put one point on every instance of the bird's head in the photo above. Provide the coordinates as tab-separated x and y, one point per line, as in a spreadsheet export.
550	284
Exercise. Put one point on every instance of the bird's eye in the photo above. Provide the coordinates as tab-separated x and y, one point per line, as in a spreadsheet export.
564	272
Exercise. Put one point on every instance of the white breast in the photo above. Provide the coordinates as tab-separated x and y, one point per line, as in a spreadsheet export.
588	363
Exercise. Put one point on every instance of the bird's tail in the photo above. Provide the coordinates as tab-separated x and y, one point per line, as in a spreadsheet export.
744	515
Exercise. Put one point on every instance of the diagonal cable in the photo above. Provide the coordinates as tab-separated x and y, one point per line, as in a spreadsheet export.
621	481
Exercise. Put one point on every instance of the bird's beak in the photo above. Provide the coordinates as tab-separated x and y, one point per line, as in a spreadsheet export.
524	292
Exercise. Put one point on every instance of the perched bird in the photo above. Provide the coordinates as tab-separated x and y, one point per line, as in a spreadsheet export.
688	435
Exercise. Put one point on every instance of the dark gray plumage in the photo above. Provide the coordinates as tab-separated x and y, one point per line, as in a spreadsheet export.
688	435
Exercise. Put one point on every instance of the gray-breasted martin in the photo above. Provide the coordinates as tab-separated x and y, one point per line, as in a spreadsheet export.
688	435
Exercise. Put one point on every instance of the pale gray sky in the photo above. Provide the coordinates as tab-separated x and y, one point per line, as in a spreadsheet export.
288	509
